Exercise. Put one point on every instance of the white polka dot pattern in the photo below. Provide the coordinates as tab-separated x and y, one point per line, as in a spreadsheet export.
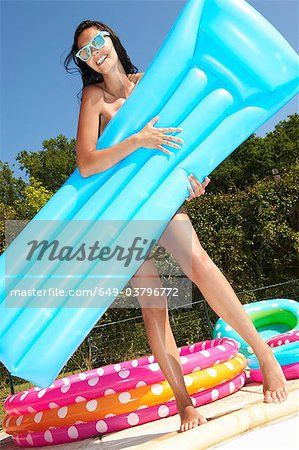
290	369
156	389
67	390
48	437
122	421
91	405
73	432
149	395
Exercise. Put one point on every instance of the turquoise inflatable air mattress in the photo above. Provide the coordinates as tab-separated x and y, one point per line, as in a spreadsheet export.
222	71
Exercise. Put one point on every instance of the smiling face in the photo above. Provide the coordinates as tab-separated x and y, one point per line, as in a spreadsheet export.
108	51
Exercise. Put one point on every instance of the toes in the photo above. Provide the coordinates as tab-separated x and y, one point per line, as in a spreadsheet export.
280	396
284	394
185	426
267	397
274	396
285	390
191	425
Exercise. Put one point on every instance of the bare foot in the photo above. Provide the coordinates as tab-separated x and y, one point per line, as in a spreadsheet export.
190	418
274	383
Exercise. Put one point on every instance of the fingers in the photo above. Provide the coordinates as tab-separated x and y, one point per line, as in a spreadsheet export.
173	138
206	181
165	130
132	77
192	194
195	180
170	144
196	184
166	140
196	189
154	119
170	130
164	150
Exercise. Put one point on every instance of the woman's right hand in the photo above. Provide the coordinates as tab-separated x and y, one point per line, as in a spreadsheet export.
151	137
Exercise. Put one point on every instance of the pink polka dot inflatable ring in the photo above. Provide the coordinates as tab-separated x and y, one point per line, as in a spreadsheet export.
108	380
117	377
291	370
119	422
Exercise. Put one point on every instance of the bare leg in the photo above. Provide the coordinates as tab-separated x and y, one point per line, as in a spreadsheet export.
223	300
162	342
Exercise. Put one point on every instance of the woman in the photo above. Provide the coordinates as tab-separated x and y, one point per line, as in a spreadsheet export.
108	78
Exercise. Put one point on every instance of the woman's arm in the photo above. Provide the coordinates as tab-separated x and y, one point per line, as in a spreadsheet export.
89	160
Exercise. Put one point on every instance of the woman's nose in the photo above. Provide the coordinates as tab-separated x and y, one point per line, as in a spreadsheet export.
95	53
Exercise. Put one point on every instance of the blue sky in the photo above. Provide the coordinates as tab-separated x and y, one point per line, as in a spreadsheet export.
38	97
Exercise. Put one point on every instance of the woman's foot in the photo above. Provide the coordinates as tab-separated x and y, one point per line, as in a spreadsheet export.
190	418
274	383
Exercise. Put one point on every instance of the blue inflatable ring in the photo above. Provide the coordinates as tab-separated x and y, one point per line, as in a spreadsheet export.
270	318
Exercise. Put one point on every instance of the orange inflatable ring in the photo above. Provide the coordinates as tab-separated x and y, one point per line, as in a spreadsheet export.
126	401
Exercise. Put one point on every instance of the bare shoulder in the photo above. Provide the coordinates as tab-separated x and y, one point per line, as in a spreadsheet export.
93	93
92	97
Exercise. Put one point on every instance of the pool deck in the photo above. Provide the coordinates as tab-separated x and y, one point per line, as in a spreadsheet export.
227	418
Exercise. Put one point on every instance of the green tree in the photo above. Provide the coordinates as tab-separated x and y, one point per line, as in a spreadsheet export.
35	197
6	213
24	207
53	164
256	157
11	188
252	235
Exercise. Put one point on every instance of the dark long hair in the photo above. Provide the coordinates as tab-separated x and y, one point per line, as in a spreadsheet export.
88	75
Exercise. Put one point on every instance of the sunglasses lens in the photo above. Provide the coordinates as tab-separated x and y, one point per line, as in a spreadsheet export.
98	41
84	54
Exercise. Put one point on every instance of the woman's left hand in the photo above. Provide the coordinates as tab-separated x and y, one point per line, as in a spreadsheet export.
197	189
133	77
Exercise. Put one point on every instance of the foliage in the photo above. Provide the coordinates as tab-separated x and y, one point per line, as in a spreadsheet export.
256	157
248	222
11	188
252	235
51	166
6	213
35	197
26	203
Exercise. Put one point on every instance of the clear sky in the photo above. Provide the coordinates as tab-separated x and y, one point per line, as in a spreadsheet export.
38	97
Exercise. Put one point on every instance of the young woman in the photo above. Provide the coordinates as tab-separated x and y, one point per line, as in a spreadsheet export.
108	78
